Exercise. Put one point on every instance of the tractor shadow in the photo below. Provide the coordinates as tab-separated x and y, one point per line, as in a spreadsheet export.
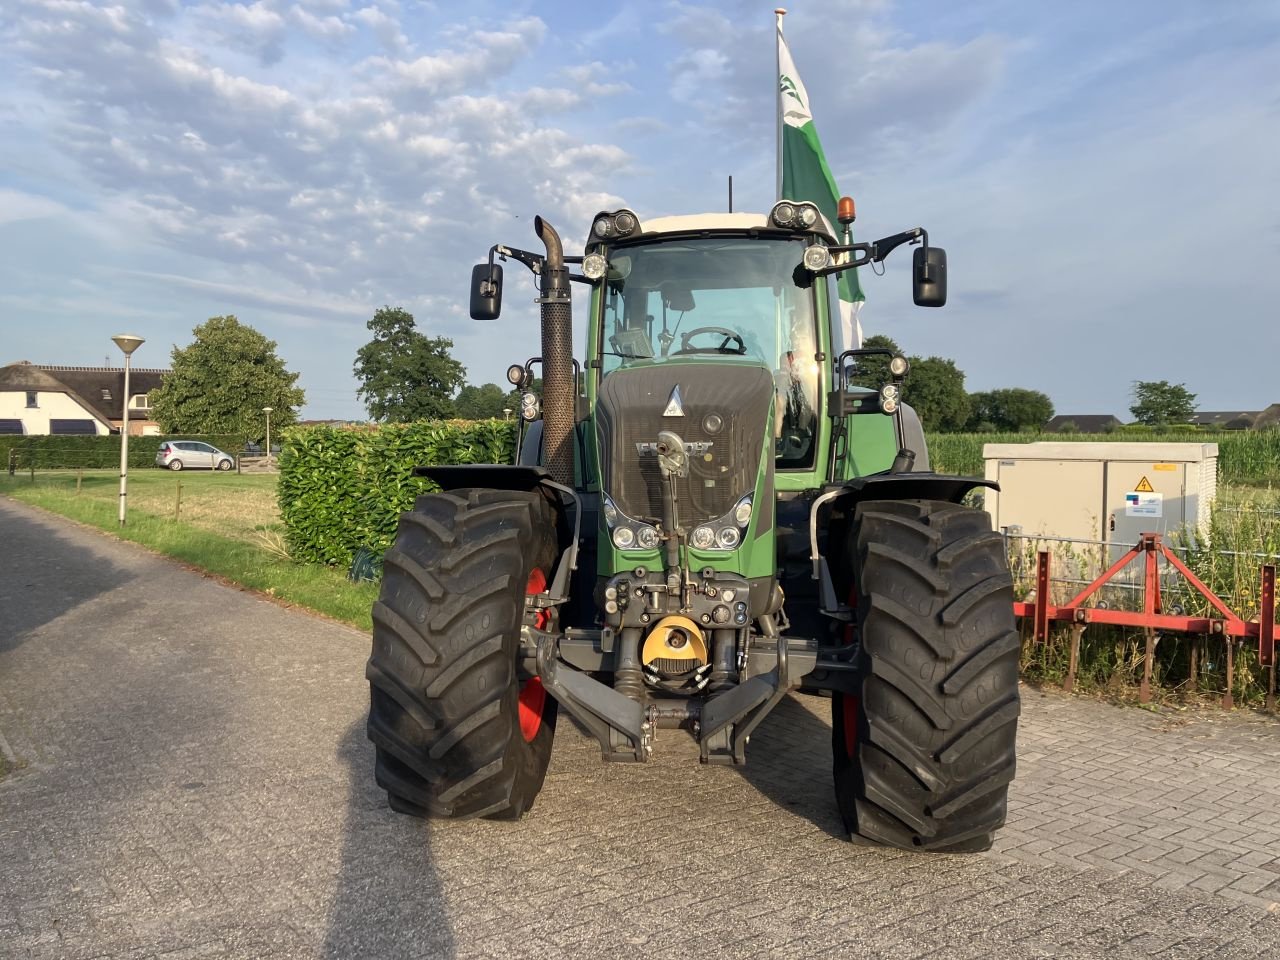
789	761
389	901
38	584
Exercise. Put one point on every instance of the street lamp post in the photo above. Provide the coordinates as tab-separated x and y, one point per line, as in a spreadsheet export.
267	411
127	343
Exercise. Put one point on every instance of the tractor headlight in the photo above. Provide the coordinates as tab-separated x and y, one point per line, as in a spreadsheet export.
647	537
529	406
898	366
515	375
794	216
623	538
724	533
624	222
594	266
619	223
816	257
610	513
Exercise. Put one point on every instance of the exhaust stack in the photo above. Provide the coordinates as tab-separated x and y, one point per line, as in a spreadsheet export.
559	390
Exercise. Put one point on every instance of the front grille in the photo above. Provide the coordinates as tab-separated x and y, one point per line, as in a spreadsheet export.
630	413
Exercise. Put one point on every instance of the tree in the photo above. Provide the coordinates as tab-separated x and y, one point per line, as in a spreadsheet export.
1011	409
1158	402
405	375
483	403
935	388
221	382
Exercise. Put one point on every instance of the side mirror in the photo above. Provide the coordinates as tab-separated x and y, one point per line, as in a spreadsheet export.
929	277
486	291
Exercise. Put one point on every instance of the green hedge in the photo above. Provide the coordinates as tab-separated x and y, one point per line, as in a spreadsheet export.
95	452
1244	456
342	489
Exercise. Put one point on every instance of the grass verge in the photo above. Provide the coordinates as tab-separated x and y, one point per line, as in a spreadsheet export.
226	525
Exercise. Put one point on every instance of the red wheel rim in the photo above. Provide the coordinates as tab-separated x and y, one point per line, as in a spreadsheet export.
850	718
532	699
533	696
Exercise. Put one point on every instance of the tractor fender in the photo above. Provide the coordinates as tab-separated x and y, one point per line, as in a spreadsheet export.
834	508
909	486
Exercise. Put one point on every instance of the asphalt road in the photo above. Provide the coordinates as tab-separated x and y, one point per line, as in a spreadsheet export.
194	781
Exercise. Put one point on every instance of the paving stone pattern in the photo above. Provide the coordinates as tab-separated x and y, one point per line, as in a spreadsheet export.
194	781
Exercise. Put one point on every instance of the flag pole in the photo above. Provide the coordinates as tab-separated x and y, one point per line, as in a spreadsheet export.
779	12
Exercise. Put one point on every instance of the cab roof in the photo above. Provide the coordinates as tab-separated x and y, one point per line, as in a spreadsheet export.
722	221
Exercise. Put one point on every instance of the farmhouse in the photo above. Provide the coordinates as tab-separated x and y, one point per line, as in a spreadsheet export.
36	399
1225	419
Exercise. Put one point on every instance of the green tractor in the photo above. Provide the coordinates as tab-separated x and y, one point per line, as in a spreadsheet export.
714	508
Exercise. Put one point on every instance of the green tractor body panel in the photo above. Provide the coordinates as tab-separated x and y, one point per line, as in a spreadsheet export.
636	327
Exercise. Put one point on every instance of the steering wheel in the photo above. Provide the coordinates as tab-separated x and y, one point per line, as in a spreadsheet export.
729	336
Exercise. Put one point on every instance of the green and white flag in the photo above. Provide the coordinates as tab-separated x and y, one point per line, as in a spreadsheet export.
803	174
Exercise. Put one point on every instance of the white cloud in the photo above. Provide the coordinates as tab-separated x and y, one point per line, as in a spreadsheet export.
16	205
384	26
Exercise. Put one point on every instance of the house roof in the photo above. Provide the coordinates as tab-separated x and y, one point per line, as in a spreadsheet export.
90	382
84	384
1219	417
1268	418
1084	422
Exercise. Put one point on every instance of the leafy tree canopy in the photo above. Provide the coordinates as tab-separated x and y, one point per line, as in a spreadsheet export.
1011	409
483	403
1158	402
405	376
221	382
935	388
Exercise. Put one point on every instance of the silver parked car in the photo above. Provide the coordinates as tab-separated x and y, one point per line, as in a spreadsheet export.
186	454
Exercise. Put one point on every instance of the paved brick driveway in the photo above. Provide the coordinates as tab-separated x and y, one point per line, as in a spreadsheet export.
206	791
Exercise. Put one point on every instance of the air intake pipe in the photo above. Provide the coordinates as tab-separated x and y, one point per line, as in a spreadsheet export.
559	391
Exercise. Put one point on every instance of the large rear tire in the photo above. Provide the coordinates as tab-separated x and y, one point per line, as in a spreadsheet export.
458	733
924	752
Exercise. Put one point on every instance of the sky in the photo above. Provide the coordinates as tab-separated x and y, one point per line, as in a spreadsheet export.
1104	176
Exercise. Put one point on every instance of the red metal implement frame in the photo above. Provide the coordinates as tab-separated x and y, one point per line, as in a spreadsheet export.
1151	617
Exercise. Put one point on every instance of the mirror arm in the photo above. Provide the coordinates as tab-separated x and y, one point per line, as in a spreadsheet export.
874	252
534	261
886	246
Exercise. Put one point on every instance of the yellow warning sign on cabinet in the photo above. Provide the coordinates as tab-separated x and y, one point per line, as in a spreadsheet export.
1144	486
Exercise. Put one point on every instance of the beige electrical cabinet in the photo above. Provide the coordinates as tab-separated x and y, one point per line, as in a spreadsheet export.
1109	492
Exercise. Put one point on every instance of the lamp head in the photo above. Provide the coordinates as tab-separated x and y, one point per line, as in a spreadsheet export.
127	342
267	409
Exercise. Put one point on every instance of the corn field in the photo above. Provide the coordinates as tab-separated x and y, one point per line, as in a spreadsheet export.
1244	456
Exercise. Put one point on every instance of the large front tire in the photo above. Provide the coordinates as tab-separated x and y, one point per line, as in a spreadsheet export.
924	751
458	734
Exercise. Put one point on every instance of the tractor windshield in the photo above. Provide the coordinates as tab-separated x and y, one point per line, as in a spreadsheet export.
719	300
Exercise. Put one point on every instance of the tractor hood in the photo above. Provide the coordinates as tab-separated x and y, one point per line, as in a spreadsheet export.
720	410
